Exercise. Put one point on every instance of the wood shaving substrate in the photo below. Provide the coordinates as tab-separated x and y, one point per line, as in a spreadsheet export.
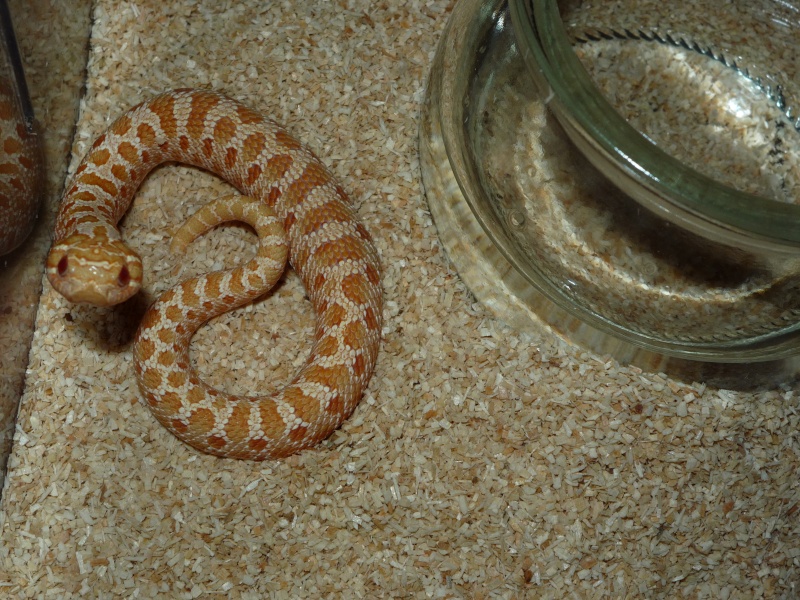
480	463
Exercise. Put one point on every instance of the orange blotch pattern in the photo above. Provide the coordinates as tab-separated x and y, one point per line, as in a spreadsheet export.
264	164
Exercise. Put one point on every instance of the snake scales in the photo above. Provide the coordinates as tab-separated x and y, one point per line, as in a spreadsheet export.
327	246
20	173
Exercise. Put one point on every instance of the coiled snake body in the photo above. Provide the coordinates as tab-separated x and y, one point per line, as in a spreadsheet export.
20	173
330	250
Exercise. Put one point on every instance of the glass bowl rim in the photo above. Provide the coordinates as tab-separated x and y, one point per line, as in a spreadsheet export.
681	192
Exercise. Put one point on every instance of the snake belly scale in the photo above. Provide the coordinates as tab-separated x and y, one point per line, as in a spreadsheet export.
330	250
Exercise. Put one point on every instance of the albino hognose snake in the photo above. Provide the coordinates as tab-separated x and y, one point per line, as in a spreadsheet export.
330	250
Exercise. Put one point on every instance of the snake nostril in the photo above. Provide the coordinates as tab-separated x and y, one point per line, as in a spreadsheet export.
62	266
124	277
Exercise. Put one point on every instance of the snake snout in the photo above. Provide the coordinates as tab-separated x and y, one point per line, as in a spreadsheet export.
83	271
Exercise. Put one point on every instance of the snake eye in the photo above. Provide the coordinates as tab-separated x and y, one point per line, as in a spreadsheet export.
62	266
124	277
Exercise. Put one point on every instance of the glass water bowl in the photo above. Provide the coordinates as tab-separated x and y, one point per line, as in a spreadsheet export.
627	174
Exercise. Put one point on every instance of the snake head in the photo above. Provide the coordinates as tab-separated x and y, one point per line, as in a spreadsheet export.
100	272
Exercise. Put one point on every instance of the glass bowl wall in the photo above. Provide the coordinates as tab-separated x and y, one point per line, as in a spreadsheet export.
619	175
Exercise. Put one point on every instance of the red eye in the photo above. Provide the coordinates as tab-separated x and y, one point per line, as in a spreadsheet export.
62	266
124	277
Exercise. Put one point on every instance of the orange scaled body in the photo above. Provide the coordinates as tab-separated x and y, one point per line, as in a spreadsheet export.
330	250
